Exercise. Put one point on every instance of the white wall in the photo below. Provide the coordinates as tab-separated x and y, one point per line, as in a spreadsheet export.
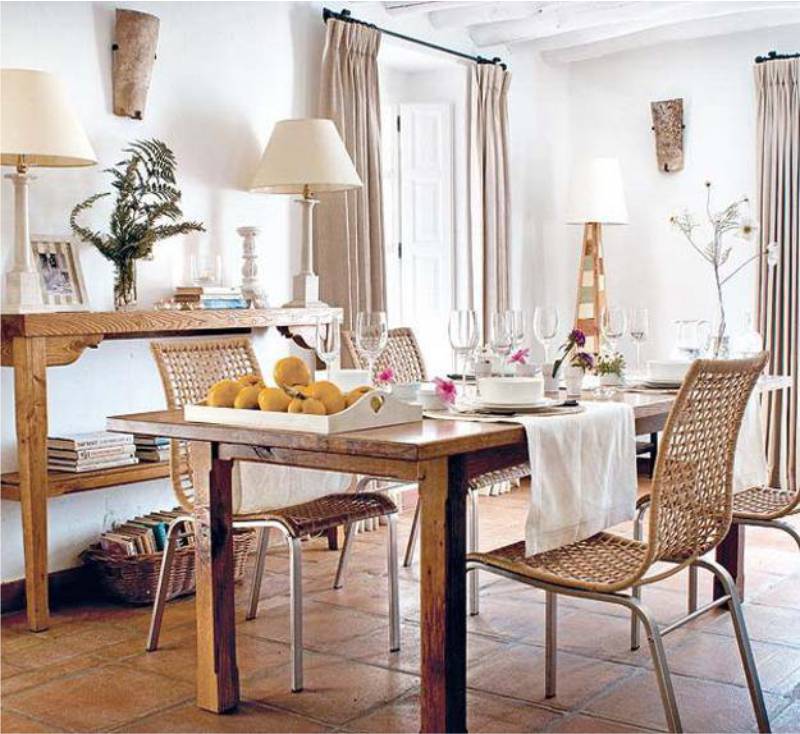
602	107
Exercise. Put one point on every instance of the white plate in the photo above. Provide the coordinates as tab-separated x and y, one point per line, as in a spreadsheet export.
541	403
668	384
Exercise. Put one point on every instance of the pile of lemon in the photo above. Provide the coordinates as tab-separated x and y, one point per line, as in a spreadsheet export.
295	393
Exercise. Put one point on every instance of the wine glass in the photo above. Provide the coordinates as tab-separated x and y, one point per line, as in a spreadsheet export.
463	332
640	329
614	322
502	335
328	342
519	327
545	327
372	334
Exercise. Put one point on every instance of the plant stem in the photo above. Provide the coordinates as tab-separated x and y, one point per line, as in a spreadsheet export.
721	326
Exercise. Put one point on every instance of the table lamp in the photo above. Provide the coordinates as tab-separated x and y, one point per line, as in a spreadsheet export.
305	157
38	127
596	198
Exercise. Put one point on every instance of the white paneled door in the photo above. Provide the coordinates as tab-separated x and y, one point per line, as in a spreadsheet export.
423	245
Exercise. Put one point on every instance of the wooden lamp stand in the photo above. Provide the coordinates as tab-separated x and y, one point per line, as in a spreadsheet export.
591	286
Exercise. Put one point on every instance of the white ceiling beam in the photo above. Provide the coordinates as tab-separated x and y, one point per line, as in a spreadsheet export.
585	45
409	7
480	12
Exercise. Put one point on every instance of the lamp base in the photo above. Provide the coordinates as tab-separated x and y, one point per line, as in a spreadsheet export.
305	292
21	292
591	287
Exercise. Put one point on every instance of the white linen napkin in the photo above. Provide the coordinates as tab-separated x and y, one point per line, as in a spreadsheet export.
583	474
750	460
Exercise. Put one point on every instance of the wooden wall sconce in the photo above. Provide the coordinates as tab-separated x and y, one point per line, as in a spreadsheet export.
134	51
668	126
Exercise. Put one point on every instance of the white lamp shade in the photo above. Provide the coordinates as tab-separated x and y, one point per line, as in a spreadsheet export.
38	124
305	153
596	193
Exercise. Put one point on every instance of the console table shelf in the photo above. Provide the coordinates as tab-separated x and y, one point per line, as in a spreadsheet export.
33	342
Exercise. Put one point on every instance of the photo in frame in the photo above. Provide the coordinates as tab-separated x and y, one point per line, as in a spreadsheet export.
60	276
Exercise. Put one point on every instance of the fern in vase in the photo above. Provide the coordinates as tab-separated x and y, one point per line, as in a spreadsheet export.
147	210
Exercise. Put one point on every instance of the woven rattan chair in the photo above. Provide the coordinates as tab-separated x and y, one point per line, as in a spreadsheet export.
188	369
690	514
403	355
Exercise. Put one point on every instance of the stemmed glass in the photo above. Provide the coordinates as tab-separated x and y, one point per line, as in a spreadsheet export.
614	323
640	330
372	334
545	327
502	335
327	342
519	328
463	332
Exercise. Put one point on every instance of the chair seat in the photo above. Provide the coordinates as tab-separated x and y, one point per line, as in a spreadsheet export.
316	516
604	562
508	474
763	503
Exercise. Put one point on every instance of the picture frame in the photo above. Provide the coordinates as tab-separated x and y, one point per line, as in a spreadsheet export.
60	276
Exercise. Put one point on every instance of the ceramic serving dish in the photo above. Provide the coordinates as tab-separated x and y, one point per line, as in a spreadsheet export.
511	390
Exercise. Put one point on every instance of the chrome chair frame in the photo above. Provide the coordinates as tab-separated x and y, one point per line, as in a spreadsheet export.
639	612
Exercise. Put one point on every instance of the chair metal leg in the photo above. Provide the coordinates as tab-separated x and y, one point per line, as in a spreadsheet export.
394	593
743	641
411	546
550	643
692	605
344	556
787	529
258	573
660	665
296	612
472	541
163	583
636	591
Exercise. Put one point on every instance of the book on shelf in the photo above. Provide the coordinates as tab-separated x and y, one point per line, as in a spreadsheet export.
88	440
151	455
146	534
218	304
101	453
208	290
150	440
93	465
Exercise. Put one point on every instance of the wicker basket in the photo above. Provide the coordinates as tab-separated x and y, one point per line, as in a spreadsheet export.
134	579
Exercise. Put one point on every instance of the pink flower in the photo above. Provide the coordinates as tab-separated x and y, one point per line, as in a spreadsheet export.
385	376
520	356
445	390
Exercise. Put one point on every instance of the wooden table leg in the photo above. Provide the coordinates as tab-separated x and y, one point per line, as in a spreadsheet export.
30	405
217	674
443	596
730	553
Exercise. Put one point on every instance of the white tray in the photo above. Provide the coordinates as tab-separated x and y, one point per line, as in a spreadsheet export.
373	410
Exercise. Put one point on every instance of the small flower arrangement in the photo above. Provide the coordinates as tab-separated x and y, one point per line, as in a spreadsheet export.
612	363
583	361
571	350
385	377
445	390
520	356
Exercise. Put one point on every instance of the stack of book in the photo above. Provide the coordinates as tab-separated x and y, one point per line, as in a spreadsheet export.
80	452
151	448
205	296
145	534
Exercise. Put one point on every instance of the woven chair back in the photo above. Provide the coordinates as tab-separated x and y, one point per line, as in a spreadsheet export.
692	492
188	369
402	354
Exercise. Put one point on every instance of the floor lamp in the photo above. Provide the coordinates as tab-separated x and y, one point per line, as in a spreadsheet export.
38	127
596	198
305	157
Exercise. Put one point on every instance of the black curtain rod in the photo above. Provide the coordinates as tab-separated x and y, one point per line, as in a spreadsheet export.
327	13
773	55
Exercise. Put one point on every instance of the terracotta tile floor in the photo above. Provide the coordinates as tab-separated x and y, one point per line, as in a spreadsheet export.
89	672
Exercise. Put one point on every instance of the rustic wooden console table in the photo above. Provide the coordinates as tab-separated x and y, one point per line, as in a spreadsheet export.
32	342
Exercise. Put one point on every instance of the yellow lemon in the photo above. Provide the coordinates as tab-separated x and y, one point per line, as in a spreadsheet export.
251	380
291	372
312	406
247	399
329	395
273	399
296	406
356	393
223	394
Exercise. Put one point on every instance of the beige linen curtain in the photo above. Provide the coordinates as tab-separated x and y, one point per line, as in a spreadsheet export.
348	242
489	195
778	130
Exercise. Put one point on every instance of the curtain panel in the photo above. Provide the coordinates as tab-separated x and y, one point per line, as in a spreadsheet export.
348	241
778	153
489	195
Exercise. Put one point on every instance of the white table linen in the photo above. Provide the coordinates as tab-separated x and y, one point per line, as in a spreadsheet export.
750	460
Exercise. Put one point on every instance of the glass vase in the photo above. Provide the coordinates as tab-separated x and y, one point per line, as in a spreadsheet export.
125	285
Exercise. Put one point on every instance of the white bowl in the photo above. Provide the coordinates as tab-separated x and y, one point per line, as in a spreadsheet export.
511	389
406	391
427	397
667	370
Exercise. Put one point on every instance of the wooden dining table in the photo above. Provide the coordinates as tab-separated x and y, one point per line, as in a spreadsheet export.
441	456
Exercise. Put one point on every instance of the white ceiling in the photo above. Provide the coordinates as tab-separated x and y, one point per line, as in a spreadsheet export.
569	30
